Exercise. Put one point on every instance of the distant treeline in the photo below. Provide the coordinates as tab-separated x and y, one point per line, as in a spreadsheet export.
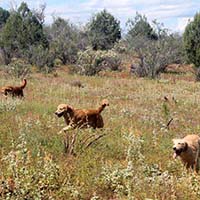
96	46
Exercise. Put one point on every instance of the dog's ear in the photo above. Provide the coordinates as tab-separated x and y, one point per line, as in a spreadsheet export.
185	146
69	108
105	102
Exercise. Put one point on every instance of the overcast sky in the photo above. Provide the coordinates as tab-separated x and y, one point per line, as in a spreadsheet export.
173	13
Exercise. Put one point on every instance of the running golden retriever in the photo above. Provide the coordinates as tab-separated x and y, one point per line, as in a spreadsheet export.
81	118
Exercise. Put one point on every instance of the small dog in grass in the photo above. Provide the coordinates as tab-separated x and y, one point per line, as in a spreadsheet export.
188	149
14	91
81	118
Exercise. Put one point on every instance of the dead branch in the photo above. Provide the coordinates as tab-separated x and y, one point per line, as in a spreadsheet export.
169	122
97	138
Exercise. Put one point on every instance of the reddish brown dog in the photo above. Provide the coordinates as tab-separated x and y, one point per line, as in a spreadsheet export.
14	91
81	118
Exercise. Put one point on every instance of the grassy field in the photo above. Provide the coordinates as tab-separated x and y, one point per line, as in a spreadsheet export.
132	161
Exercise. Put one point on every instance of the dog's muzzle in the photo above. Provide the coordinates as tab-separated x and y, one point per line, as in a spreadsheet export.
58	114
177	152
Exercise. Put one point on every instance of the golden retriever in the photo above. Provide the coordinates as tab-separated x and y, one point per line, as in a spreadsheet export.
188	149
81	118
14	91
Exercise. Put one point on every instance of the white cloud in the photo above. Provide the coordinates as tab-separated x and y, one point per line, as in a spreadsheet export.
172	12
10	4
182	23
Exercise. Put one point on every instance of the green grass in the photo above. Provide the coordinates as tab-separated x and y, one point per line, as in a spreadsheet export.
109	168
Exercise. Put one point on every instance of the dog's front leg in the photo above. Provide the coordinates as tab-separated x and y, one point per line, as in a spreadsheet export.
196	164
66	143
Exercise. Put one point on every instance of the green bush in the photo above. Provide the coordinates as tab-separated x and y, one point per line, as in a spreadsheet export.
17	68
64	40
22	30
42	58
104	31
155	55
91	62
192	42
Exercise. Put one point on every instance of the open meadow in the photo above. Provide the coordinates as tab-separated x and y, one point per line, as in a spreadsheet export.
95	97
132	161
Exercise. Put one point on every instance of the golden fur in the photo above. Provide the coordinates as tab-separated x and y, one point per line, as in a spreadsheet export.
14	91
82	118
188	150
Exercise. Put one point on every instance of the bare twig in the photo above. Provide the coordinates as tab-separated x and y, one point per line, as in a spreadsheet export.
83	142
166	98
97	138
71	148
169	122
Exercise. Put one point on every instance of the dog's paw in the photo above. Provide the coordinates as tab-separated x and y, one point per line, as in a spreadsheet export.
60	132
67	128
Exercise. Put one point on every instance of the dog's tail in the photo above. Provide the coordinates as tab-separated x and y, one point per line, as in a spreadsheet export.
104	103
24	82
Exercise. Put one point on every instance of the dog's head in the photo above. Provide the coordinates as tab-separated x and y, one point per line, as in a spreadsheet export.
62	109
6	90
179	147
105	102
